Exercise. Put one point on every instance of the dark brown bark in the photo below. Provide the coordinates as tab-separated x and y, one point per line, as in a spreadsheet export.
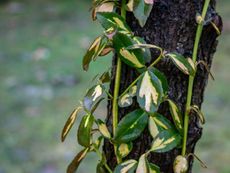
171	26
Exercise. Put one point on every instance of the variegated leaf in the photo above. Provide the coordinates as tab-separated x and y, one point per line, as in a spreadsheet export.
149	92
92	96
103	129
166	141
131	126
69	123
176	115
124	149
73	166
153	168
84	130
200	114
103	7
110	20
128	166
94	50
185	65
134	58
142	166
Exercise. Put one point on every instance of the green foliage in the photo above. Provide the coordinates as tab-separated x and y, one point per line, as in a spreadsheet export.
150	89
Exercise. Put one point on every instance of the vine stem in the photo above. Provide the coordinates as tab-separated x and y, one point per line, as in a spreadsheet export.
104	163
191	78
116	89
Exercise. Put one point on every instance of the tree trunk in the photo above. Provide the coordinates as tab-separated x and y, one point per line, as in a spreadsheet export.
172	26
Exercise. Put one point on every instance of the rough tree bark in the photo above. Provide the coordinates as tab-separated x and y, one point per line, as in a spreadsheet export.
172	26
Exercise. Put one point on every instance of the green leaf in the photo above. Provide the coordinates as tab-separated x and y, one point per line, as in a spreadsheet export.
141	11
131	126
153	168
94	50
103	129
92	96
133	58
124	149
110	20
166	141
176	115
142	166
158	123
73	166
69	123
149	92
84	130
185	65
128	166
162	78
100	168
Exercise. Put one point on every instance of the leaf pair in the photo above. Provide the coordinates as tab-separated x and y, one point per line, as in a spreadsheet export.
165	137
121	37
94	51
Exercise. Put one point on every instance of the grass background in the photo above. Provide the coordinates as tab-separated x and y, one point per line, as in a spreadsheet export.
41	80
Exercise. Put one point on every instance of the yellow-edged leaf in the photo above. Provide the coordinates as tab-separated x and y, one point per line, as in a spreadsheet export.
69	123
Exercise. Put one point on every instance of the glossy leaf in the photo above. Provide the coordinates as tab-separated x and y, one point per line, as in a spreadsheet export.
94	50
110	20
128	166
103	129
73	166
94	107
153	168
185	65
92	96
176	115
149	92
84	130
69	123
162	78
131	126
133	58
158	123
166	141
141	10
142	166
124	149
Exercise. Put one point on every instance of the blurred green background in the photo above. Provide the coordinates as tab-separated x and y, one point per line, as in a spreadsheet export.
41	80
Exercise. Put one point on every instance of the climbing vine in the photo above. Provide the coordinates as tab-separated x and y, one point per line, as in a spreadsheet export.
150	89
